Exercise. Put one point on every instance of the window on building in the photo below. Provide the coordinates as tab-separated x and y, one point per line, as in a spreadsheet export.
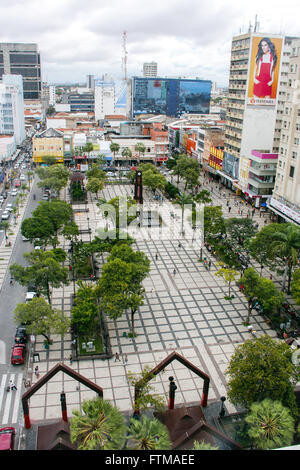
296	140
292	171
294	154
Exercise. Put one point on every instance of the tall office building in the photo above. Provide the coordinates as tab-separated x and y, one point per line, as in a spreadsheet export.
150	69
105	97
285	200
257	72
90	82
23	59
12	107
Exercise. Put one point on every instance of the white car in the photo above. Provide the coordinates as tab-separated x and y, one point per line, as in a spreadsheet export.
22	178
5	215
14	192
30	296
25	239
9	207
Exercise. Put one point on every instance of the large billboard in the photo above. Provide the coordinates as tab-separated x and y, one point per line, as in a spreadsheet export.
264	70
172	97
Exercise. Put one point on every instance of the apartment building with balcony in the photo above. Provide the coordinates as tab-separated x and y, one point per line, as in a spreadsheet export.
254	110
49	142
285	200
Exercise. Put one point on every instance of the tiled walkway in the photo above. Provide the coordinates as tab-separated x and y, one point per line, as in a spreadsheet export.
185	312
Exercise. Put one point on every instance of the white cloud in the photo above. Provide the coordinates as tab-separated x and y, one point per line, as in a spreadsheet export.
185	37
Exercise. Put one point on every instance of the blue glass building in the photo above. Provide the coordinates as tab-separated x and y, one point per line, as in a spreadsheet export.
170	96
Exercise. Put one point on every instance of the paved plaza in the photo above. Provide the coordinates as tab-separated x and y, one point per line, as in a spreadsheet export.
184	312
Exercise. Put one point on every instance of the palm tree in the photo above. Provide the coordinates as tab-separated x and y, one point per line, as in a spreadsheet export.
183	199
100	427
140	148
114	148
148	434
270	425
126	152
203	446
286	245
4	224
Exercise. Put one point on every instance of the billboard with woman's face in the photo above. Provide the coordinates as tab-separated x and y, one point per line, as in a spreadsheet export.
264	71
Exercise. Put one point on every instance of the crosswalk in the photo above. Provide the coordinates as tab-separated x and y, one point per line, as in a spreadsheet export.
10	401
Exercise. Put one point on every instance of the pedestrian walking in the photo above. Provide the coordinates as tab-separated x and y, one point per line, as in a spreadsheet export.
174	271
179	245
117	357
209	264
229	209
71	359
36	372
156	256
12	385
125	360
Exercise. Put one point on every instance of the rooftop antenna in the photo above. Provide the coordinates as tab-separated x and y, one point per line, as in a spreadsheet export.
124	57
256	26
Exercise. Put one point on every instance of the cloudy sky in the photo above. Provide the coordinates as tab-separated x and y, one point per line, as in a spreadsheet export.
187	38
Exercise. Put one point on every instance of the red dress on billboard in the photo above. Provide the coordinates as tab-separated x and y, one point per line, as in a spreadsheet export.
262	88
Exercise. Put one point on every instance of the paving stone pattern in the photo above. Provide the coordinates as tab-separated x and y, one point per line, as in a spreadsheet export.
185	312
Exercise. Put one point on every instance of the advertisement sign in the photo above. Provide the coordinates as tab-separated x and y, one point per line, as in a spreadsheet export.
216	158
264	71
244	172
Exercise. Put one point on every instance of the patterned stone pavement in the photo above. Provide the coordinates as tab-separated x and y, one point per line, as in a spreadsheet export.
184	312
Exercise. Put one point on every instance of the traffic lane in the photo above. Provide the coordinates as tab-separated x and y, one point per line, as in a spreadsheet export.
11	295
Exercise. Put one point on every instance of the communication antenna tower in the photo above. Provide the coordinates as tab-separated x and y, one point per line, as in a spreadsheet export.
124	57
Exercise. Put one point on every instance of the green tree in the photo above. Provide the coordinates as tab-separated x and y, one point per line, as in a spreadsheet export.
228	274
203	446
214	224
239	229
41	318
94	185
126	152
44	271
140	148
40	229
250	282
271	425
148	434
54	177
203	197
183	200
262	368
145	395
95	172
114	148
269	296
99	426
295	286
153	180
286	245
85	313
59	213
4	225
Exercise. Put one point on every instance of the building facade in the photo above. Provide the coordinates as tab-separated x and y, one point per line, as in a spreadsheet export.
105	98
254	107
150	69
172	97
48	143
23	59
285	201
12	107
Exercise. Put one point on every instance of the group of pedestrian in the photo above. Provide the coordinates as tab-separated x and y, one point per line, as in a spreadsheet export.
118	358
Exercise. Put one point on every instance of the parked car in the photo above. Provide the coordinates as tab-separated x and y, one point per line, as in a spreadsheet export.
9	207
24	239
21	335
4	194
1	199
18	354
30	296
7	438
22	178
14	192
17	183
46	197
5	215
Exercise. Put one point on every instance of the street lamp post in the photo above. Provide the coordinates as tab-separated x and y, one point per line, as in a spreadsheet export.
222	410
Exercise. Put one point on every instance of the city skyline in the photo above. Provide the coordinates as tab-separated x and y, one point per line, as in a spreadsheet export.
186	39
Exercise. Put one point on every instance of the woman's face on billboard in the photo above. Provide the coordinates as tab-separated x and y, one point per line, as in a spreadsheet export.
265	47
